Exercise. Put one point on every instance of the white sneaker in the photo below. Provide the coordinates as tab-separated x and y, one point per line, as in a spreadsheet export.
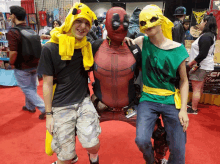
74	160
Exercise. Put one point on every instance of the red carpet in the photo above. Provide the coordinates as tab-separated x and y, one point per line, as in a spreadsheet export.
22	136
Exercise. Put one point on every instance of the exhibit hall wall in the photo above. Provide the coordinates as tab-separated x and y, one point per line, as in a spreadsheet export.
100	7
4	5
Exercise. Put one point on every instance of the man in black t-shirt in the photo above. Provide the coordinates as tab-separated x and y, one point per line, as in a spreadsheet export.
64	62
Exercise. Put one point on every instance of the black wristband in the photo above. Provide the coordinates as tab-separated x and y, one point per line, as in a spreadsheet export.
49	113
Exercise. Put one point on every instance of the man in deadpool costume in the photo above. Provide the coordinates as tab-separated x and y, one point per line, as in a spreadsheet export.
115	70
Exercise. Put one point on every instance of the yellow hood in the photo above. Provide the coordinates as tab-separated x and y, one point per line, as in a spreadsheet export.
148	13
67	43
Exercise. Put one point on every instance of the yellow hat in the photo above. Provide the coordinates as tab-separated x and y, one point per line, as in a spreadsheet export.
67	43
153	11
79	10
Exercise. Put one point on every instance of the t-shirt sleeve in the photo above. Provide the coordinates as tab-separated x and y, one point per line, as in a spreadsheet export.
13	38
180	55
205	42
45	66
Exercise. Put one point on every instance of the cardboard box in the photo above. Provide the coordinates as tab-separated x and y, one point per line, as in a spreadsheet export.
217	52
188	44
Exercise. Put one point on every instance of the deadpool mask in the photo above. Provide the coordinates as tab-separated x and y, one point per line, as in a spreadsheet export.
117	22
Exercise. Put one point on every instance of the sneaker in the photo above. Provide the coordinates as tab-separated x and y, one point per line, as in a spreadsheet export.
42	116
189	104
74	160
191	111
161	161
26	109
97	162
164	161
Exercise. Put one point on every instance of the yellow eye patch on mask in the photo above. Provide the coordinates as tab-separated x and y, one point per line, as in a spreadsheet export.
152	16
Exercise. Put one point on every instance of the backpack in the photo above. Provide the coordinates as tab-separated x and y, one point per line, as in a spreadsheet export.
31	46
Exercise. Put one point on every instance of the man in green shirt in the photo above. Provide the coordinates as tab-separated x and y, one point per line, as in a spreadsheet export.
163	61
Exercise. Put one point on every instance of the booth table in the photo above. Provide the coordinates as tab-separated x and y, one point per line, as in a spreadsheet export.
7	77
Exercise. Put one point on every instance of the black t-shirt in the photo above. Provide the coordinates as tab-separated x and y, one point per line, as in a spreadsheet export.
70	76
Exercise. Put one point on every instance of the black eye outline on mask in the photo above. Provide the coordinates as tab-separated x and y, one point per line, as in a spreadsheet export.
115	21
143	23
154	19
126	22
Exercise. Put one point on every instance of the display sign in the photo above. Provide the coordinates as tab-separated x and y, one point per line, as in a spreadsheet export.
212	82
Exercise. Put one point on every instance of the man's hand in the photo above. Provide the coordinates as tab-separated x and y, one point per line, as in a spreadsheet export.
45	36
190	64
49	123
129	41
184	119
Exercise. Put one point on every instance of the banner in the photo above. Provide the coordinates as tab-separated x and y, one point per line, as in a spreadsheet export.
197	16
215	9
212	82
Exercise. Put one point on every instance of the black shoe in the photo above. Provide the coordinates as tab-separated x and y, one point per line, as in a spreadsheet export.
189	104
191	111
97	162
42	116
26	109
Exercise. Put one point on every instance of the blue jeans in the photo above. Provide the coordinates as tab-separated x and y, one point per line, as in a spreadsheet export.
27	81
147	114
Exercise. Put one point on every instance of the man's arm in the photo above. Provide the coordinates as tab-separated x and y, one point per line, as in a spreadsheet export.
13	38
13	57
184	91
48	92
48	96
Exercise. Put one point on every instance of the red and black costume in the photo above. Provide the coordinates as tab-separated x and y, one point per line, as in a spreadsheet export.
115	70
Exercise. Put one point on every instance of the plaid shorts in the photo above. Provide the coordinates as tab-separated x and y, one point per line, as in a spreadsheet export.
82	117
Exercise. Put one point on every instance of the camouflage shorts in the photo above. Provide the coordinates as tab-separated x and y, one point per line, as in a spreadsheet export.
82	117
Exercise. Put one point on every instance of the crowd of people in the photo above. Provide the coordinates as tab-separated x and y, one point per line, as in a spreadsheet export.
155	52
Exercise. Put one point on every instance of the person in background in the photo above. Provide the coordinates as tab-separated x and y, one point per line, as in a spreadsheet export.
25	72
201	60
99	31
104	31
91	36
104	34
56	23
66	65
178	29
186	26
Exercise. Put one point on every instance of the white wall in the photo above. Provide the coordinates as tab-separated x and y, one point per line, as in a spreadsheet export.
100	7
4	5
131	6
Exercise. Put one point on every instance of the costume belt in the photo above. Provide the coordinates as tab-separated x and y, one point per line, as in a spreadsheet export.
100	106
165	92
